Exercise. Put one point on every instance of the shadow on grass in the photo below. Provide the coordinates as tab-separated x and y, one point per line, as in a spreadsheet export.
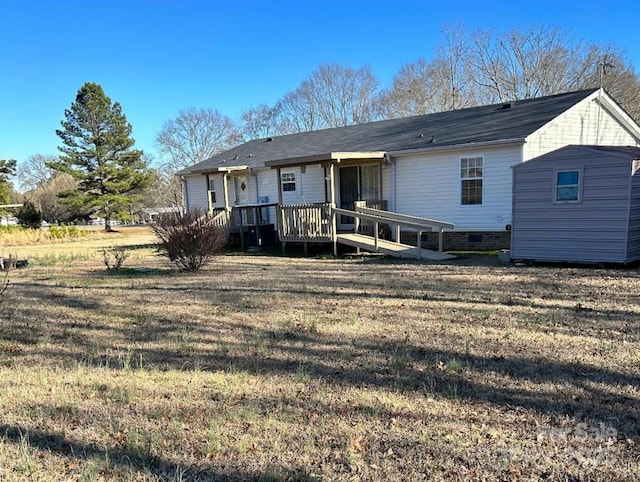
218	343
135	460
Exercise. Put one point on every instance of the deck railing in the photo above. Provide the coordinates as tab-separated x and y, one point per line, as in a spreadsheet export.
236	216
305	223
367	227
398	220
220	217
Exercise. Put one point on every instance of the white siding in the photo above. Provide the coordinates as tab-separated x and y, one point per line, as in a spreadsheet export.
196	192
579	125
430	186
310	185
217	184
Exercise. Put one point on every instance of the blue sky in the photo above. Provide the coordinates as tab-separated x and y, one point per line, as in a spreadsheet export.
156	57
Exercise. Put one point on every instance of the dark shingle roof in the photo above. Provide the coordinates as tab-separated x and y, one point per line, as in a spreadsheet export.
515	120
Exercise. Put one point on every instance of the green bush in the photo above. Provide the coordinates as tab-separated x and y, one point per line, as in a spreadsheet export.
29	216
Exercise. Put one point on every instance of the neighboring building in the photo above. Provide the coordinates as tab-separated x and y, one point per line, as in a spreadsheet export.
148	215
453	166
578	204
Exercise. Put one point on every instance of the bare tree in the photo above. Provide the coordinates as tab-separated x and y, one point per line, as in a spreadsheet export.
194	136
45	196
345	96
522	64
490	66
444	83
412	91
261	121
34	171
609	68
452	71
332	96
299	110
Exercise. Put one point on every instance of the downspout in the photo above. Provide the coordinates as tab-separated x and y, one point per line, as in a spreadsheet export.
255	178
185	193
389	160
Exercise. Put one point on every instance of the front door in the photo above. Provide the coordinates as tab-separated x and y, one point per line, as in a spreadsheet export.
349	192
242	190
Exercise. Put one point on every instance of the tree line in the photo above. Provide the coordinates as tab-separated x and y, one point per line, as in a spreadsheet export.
99	172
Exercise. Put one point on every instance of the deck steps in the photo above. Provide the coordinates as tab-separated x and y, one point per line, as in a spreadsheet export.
390	248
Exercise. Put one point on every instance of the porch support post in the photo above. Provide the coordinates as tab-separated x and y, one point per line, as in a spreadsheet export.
279	188
419	243
398	233
225	191
381	196
209	203
281	212
440	242
332	197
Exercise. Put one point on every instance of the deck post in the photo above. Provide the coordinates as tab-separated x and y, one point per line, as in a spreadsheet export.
241	229
419	243
334	224
375	235
440	242
257	219
398	233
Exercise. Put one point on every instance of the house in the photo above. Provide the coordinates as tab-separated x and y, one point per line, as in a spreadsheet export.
149	215
578	204
452	166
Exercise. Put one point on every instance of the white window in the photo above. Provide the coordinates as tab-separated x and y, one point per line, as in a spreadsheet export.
288	181
471	180
212	191
567	186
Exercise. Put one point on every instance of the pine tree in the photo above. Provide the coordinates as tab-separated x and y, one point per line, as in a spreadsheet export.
7	168
98	152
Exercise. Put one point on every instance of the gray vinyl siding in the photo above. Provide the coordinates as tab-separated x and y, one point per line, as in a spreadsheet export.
593	230
633	247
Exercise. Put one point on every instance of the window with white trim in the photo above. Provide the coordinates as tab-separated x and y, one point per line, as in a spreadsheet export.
567	186
471	180
288	180
212	191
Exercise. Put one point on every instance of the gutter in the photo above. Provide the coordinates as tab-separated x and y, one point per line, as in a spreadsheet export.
468	145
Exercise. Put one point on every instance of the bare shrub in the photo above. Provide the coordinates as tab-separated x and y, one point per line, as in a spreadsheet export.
4	284
114	257
190	239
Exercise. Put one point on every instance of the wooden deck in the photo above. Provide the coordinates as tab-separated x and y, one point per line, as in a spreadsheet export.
397	250
316	223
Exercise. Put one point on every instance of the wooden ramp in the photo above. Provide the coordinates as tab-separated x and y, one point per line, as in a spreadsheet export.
390	248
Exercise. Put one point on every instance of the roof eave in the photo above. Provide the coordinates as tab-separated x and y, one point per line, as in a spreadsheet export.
213	170
325	157
453	147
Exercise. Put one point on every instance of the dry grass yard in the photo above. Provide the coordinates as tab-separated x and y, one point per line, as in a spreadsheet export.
289	369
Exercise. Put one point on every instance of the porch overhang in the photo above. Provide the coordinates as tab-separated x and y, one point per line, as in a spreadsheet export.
222	170
328	158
